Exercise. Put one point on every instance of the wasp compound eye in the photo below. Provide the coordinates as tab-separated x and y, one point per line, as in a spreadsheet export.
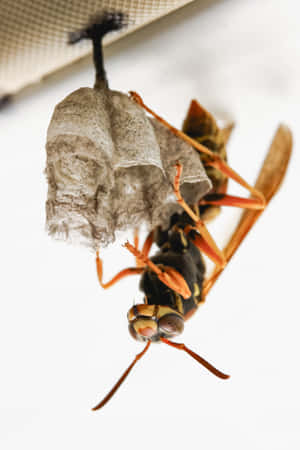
171	324
132	332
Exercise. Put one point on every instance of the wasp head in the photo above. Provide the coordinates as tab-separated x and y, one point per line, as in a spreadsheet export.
153	322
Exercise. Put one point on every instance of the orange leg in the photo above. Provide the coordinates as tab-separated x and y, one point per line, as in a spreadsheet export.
167	275
221	165
203	246
215	162
136	244
136	238
215	254
148	244
230	200
146	247
119	276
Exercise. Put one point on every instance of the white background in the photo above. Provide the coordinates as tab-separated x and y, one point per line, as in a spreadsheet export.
64	341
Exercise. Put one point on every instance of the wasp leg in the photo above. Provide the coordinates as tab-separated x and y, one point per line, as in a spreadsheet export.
230	200
136	238
136	244
167	275
215	162
118	276
148	244
223	167
203	246
216	254
146	247
268	182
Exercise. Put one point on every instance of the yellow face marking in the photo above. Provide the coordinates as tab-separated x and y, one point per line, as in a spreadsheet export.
145	327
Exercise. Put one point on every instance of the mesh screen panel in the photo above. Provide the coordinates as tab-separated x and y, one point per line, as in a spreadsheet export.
33	33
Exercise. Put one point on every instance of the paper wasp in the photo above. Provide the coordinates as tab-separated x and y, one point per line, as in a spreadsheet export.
173	280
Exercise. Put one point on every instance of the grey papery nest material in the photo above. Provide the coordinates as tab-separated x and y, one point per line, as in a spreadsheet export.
110	167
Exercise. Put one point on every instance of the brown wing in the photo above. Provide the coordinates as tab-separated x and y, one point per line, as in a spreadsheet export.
268	182
226	132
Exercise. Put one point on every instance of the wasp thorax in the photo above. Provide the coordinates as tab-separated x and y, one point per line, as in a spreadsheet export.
151	322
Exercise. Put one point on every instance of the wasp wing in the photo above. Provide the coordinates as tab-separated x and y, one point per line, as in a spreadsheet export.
268	182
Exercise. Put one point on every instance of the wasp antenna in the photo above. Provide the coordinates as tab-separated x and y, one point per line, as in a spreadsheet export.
98	27
123	377
198	358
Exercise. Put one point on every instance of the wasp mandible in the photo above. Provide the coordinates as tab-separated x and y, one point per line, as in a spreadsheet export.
173	280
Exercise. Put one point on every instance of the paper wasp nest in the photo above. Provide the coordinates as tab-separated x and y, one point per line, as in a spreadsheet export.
110	168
